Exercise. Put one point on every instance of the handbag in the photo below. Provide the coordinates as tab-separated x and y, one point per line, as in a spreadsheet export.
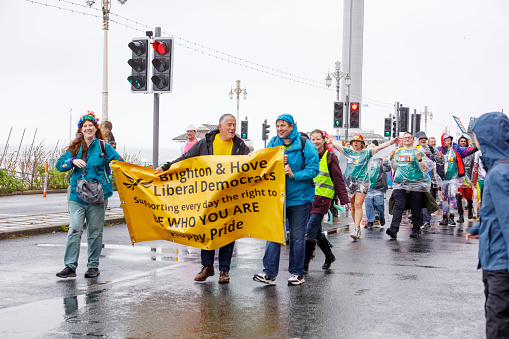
88	191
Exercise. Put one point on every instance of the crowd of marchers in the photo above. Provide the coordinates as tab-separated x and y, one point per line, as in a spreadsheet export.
419	172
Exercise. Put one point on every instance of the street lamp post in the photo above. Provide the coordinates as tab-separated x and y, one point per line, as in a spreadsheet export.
348	81
238	90
426	113
337	75
106	5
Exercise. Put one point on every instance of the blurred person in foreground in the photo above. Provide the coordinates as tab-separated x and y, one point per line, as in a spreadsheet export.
491	135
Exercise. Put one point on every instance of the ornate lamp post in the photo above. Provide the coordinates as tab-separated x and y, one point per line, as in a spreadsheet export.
426	113
106	5
337	75
238	90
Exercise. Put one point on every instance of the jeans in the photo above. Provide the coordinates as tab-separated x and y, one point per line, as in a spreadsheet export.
402	198
496	307
371	202
314	228
426	217
94	215
298	218
224	258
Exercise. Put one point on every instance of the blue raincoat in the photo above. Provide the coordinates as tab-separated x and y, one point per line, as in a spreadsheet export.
492	132
300	189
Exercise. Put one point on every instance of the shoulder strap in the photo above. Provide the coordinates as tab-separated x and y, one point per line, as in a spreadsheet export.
302	145
503	161
329	160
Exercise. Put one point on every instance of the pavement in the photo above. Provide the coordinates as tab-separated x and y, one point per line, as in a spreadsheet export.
30	214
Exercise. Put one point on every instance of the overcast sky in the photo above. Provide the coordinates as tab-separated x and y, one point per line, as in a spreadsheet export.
449	55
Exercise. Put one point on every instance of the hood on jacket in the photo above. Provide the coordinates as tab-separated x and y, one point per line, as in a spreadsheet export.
445	136
492	132
294	134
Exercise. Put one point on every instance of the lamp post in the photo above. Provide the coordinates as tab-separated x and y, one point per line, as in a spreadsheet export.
106	5
426	113
238	90
348	81
337	75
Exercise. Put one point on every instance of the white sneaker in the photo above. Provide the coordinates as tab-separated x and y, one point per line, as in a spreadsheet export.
296	280
426	226
263	278
356	234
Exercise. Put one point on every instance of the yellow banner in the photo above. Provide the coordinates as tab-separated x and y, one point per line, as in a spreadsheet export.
205	202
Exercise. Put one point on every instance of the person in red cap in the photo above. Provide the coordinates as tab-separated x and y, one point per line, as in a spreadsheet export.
357	175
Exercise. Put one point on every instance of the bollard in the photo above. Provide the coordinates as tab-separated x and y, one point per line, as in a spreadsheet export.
45	180
149	166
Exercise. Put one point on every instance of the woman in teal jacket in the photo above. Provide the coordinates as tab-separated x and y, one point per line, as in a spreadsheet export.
85	152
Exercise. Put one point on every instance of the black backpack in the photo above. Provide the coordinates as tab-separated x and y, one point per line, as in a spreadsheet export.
303	137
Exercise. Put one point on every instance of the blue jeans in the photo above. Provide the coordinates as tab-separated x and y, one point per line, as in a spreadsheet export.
314	229
224	258
94	215
372	202
298	218
426	217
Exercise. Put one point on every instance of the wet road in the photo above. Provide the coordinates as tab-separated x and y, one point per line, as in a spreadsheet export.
377	288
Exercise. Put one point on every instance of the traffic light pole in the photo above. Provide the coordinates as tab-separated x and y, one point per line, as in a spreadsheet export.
347	120
155	141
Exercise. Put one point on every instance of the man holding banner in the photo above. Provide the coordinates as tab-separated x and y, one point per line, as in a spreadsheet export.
222	141
301	166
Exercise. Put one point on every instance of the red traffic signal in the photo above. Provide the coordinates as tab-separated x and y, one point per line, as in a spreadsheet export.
160	47
354	106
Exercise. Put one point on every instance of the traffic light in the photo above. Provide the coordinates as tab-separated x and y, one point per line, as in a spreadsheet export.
265	131
338	114
403	119
138	62
387	127
354	115
394	131
162	72
243	129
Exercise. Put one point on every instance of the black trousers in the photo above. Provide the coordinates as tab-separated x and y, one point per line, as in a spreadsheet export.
496	307
404	200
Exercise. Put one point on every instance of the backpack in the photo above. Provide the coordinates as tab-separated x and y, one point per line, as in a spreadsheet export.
303	137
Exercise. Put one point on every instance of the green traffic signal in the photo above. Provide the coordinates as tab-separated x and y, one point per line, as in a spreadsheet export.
336	123
136	81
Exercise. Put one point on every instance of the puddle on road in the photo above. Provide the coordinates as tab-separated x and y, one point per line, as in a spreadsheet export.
33	319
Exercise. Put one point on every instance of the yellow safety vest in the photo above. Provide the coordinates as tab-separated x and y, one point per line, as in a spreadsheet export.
323	182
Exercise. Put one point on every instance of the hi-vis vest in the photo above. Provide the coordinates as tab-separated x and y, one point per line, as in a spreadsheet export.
323	182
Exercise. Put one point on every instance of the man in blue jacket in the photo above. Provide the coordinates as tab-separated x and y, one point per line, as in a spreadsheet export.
492	137
301	166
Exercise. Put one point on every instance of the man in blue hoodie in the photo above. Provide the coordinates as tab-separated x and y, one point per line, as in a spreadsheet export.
491	135
301	166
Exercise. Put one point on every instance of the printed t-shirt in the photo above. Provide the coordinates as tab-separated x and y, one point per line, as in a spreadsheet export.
357	166
450	166
408	166
221	147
